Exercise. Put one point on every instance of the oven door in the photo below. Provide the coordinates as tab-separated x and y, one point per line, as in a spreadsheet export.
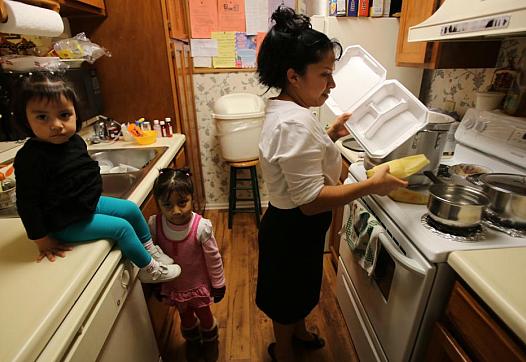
393	298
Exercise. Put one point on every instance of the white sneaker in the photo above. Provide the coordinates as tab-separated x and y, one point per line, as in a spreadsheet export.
158	254
160	273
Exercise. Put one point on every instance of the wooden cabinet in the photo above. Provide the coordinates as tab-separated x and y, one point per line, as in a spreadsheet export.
149	74
178	19
470	331
337	221
436	55
77	8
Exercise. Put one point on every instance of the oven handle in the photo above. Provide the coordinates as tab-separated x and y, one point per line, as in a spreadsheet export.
408	263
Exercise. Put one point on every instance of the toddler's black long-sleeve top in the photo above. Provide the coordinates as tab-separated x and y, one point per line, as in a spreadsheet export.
56	185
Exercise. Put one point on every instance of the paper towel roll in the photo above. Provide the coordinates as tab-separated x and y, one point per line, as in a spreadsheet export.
31	20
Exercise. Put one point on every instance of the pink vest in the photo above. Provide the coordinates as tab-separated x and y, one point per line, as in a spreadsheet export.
194	281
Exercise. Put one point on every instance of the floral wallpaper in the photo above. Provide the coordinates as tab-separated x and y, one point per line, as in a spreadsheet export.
454	89
207	89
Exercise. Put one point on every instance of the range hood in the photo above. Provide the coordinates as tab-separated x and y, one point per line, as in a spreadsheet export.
469	19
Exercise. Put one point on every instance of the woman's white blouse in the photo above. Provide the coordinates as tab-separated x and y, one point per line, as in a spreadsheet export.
297	156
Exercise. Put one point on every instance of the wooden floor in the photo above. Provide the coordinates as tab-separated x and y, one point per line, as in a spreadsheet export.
244	331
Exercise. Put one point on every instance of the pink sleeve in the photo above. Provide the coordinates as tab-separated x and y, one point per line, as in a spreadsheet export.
212	257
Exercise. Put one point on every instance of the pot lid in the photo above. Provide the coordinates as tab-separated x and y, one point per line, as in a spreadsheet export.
385	114
505	182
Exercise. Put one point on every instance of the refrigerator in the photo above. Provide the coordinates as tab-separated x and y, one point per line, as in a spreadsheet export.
378	36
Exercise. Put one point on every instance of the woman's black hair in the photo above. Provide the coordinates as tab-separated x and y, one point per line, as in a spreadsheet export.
42	86
173	180
291	43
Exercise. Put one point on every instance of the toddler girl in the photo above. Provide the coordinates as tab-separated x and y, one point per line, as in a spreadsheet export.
59	186
188	239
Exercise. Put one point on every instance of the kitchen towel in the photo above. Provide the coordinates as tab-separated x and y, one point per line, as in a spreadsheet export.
31	20
361	233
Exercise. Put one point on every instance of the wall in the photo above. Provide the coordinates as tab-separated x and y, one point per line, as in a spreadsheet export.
455	88
208	88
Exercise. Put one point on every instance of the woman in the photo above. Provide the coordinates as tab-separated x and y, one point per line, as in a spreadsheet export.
301	166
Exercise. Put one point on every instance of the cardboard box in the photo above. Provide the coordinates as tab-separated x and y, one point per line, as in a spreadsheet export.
352	8
363	8
333	7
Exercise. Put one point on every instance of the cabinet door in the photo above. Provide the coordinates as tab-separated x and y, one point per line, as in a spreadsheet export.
436	55
149	207
443	347
177	19
483	335
185	92
413	12
180	160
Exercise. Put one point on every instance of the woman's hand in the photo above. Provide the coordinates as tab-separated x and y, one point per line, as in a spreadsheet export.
48	247
338	129
382	182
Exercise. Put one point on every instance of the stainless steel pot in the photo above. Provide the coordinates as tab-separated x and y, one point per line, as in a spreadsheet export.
455	205
507	196
430	141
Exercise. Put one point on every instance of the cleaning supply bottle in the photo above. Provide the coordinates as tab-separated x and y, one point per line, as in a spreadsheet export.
403	167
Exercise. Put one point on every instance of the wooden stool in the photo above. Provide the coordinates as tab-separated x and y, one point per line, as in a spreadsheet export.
232	197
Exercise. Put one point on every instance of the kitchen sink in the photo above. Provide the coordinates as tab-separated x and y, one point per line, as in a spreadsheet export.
123	169
118	184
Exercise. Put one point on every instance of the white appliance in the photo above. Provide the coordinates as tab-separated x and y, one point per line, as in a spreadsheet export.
378	36
461	19
390	314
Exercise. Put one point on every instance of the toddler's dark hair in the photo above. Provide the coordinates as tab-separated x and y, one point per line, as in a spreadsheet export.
43	86
291	43
173	180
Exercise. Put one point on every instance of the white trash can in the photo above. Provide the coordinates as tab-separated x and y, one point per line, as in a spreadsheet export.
239	117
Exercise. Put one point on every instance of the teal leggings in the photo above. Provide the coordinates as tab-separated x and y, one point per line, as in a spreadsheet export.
117	219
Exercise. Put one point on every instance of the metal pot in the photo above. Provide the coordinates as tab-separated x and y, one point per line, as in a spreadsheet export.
430	141
507	196
455	205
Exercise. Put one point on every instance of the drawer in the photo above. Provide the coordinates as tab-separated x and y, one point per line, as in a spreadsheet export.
480	332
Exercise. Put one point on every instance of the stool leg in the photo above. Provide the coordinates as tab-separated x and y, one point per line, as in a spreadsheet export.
253	176
231	196
257	190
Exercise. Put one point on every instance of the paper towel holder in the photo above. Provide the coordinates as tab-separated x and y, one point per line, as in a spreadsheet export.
49	4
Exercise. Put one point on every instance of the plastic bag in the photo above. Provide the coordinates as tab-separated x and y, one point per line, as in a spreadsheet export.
79	47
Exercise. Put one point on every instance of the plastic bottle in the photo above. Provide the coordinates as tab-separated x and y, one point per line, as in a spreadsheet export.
146	126
403	167
169	129
157	128
163	129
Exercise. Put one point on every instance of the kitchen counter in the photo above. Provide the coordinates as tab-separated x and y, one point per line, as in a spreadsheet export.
497	276
37	297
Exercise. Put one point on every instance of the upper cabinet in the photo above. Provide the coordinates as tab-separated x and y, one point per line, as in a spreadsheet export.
177	20
436	55
74	8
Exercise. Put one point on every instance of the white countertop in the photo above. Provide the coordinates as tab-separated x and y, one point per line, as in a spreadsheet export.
36	297
498	277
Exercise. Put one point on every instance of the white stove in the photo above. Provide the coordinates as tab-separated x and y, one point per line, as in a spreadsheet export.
390	312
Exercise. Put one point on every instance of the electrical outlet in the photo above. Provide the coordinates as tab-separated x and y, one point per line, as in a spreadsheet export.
449	106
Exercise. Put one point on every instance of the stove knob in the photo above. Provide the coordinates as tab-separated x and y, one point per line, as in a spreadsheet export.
469	124
481	126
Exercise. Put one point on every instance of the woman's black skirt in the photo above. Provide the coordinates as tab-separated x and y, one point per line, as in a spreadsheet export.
290	263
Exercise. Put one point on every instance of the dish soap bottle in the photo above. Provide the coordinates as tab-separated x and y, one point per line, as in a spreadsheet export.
403	167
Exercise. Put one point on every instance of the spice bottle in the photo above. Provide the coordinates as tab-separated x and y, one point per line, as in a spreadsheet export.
157	128
163	129
168	125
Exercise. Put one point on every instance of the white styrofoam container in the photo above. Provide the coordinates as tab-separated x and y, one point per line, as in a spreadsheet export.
239	118
385	114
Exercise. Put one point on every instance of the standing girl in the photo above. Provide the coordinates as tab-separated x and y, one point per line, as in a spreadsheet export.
59	186
188	238
301	166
